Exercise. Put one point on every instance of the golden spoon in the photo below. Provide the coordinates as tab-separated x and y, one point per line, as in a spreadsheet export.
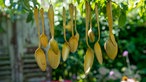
90	32
89	56
39	53
97	47
110	45
53	42
65	48
43	37
73	42
53	52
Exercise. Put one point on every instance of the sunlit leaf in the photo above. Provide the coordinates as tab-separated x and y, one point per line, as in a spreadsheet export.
122	19
2	4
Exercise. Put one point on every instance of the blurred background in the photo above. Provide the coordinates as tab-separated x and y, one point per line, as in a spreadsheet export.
18	42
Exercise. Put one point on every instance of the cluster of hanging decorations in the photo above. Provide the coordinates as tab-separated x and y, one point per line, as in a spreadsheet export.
54	54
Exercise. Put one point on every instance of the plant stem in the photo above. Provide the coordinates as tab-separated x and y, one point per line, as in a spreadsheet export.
128	64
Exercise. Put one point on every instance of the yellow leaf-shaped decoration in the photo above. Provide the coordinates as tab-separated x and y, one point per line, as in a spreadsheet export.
40	59
73	43
44	40
91	35
88	60
53	59
65	51
111	49
54	46
98	52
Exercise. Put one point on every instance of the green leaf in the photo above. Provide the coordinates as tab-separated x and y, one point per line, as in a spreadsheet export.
1	29
29	17
122	19
124	6
2	3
